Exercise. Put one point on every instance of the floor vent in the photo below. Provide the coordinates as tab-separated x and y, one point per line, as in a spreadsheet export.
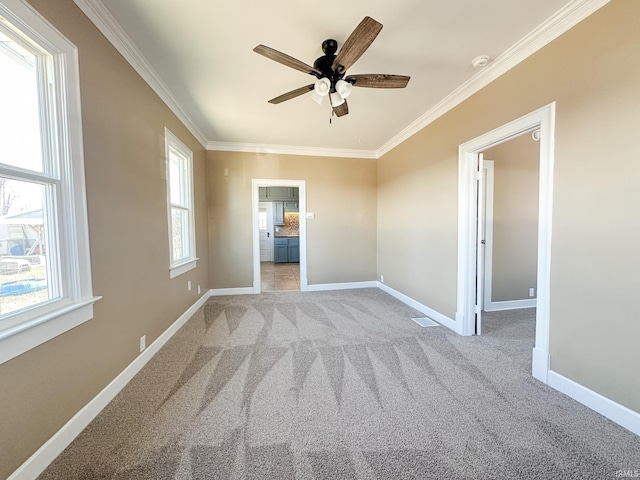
425	322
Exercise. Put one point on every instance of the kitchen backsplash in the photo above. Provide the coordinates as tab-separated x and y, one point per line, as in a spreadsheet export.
291	224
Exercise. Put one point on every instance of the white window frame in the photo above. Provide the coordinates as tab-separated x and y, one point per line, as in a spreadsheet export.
73	305
182	265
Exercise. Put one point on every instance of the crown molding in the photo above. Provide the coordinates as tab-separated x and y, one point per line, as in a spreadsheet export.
561	21
104	21
290	150
565	18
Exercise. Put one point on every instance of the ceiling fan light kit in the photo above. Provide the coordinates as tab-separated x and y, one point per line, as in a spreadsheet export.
322	86
330	69
336	99
343	88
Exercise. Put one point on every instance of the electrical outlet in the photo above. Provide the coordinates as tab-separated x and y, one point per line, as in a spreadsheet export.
198	289
143	343
189	285
382	278
531	292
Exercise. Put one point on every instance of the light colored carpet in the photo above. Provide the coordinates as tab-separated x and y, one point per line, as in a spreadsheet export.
343	385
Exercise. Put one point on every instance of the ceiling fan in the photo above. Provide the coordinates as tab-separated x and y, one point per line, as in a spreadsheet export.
330	69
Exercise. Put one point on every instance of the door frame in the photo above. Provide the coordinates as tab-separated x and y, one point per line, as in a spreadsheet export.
302	208
544	120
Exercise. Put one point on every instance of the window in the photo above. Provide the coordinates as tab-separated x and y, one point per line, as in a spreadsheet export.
45	273
262	220
182	244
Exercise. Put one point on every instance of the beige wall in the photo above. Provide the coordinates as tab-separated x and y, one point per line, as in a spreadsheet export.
592	73
341	240
515	218
123	123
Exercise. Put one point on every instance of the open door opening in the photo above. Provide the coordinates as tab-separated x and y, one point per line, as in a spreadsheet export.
279	235
471	248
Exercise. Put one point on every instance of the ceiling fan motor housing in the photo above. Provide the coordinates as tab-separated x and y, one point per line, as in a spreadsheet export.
324	63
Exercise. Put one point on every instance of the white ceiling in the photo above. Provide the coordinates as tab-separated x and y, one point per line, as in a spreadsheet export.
198	55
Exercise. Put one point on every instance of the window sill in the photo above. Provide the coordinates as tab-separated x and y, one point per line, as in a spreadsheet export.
182	268
21	338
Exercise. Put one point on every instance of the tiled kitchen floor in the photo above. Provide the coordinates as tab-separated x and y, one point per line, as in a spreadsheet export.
277	277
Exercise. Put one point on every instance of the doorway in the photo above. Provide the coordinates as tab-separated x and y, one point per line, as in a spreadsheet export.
510	182
469	313
270	232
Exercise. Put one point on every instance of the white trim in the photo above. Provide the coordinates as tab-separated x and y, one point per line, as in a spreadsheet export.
325	287
561	21
102	18
540	364
28	335
429	312
510	305
544	119
302	209
220	292
41	459
615	412
182	268
291	150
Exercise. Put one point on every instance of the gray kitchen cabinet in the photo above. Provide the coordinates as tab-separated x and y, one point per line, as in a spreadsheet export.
281	250
294	250
279	193
290	206
271	194
286	250
278	213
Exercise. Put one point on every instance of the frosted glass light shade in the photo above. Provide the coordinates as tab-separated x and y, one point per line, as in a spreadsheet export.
317	98
322	86
336	99
343	88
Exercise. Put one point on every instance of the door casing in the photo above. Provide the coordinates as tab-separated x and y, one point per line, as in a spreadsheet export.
544	120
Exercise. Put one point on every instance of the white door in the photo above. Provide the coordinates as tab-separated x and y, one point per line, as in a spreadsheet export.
480	243
488	234
265	228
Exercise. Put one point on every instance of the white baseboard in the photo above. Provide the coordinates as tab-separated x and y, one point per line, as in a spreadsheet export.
48	452
615	412
437	316
321	287
510	305
219	292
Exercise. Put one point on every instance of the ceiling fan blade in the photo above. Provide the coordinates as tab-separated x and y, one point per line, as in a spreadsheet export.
378	80
285	59
341	110
292	94
357	43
